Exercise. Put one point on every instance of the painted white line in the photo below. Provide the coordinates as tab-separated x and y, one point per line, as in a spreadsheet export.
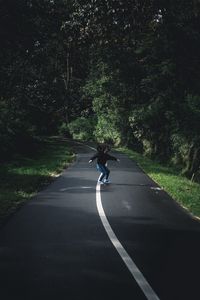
91	148
86	145
156	188
138	276
75	188
127	205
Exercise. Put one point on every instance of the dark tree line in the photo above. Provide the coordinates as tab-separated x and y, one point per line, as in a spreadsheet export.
127	72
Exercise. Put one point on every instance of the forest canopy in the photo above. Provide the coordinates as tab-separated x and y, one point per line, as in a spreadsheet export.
122	71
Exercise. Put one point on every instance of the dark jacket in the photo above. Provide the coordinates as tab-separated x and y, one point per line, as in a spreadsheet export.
102	157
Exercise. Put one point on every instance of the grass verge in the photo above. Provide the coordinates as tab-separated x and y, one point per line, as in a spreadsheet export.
24	176
185	192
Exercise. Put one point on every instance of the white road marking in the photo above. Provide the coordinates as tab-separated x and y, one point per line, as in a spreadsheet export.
135	272
156	188
127	205
92	148
138	276
86	146
75	188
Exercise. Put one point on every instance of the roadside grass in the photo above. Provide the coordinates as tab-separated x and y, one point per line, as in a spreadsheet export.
185	192
23	176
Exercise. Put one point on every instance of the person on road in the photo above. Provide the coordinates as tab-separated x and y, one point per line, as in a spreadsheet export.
102	157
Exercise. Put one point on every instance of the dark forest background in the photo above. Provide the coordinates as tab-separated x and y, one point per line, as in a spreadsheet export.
125	72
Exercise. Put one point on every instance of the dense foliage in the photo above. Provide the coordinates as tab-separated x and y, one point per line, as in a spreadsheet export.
122	71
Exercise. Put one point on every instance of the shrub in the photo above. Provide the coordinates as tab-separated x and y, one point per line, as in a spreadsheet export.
82	128
64	130
105	131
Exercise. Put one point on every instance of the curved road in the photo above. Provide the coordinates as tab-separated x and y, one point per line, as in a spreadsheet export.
56	246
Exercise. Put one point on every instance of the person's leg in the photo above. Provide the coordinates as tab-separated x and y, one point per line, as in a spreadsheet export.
101	168
107	172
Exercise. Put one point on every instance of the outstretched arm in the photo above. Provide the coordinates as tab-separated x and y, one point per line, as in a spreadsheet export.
110	157
92	158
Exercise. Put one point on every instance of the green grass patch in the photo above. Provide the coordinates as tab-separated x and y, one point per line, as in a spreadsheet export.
181	189
23	177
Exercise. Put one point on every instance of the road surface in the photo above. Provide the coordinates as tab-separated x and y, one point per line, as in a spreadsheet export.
57	247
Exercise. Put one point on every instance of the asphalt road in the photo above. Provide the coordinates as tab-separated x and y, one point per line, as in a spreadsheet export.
56	247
